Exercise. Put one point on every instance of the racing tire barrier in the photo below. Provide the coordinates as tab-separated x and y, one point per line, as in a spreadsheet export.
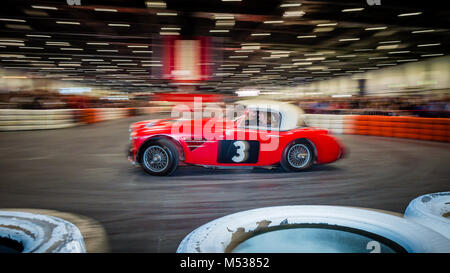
432	129
435	129
224	234
431	210
39	233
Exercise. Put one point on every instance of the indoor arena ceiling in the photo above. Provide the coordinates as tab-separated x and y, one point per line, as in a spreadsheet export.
117	44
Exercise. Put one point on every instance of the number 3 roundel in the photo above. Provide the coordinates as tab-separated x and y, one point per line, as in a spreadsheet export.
238	151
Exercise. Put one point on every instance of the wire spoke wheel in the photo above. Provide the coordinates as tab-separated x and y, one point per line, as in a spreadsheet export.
298	156
156	158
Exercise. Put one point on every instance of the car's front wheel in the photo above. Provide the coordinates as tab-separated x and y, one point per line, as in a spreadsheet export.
298	156
159	157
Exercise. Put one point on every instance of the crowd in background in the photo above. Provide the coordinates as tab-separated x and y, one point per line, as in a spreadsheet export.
423	106
45	100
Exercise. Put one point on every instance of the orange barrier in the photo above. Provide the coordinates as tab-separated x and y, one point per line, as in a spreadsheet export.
88	116
436	129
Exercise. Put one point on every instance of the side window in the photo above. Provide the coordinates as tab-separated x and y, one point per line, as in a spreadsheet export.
262	119
275	120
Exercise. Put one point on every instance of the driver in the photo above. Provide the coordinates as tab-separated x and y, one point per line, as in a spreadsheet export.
262	119
251	118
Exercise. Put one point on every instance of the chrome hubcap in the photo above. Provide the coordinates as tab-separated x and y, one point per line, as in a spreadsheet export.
298	155
156	158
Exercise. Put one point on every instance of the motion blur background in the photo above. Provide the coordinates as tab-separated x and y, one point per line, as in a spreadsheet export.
374	72
383	56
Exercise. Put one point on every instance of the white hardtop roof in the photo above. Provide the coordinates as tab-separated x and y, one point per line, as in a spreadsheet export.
291	115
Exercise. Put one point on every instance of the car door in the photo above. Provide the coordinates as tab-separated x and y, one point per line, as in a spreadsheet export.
250	141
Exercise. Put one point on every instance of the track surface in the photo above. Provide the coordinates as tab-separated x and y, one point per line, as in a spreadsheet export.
84	170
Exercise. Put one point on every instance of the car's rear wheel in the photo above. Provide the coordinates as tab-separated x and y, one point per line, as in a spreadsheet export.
159	157
298	156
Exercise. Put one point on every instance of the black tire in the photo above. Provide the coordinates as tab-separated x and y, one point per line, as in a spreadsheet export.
168	157
305	159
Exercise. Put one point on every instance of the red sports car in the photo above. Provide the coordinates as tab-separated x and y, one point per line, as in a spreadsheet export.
266	134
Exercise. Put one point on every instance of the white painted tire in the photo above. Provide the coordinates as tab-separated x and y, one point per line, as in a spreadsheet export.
215	236
41	233
429	210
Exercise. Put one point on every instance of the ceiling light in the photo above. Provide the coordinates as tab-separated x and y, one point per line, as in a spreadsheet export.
399	52
303	63
389	42
38	36
323	29
14	77
106	10
12	41
348	39
169	33
327	25
98	44
384	47
376	28
346	56
225	23
260	34
119	25
423	31
71	48
59	58
290	5
57	43
31	47
352	10
170	28
44	7
315	59
167	14
409	14
306	36
432	55
274	22
67	23
155	4
407	60
313	54
293	13
13	20
424	45
224	17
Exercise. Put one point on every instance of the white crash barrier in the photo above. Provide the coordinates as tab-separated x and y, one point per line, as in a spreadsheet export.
18	119
335	123
217	236
431	210
41	233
